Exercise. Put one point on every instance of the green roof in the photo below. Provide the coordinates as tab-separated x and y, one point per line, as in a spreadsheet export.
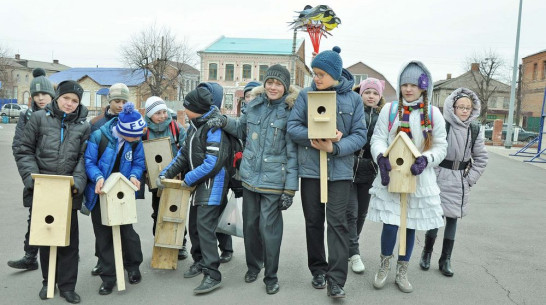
253	46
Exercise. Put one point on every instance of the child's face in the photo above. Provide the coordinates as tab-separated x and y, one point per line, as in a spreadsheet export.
130	139
42	99
463	108
322	79
159	117
117	105
68	102
371	97
274	89
411	92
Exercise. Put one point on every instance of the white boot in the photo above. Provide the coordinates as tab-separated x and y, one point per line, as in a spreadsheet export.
383	272
402	277
356	264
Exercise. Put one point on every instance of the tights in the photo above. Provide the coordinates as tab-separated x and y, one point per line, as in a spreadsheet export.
388	240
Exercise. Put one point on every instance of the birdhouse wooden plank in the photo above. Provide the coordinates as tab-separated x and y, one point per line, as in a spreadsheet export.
51	210
321	114
117	201
402	154
171	222
158	154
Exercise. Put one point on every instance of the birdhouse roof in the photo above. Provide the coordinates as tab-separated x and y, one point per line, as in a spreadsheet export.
403	138
60	177
113	180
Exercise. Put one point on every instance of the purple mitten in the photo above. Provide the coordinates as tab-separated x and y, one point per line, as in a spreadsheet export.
384	169
419	166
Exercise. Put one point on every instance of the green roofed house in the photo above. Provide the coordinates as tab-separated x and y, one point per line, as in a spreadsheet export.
233	62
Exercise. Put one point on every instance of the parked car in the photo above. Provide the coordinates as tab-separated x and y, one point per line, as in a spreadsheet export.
12	110
523	135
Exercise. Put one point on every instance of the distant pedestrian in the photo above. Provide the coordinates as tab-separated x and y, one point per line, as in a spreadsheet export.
463	165
423	124
42	92
365	169
248	95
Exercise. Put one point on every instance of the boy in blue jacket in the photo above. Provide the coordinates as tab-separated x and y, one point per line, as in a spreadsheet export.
115	147
203	163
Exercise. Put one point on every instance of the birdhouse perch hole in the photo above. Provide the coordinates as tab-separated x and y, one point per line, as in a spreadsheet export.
321	110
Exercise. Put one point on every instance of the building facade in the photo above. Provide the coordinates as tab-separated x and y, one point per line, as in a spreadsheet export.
533	86
361	71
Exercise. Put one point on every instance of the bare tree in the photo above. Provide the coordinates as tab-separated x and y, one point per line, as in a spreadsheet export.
161	58
490	65
5	71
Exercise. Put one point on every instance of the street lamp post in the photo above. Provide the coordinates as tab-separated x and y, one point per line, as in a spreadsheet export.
508	140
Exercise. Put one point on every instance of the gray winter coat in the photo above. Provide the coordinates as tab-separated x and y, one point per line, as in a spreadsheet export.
455	184
269	162
54	144
350	121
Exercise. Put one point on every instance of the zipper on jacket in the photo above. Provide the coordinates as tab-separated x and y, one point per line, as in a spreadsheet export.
62	128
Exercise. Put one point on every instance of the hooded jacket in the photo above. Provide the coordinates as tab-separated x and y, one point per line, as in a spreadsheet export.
349	120
163	130
269	162
54	143
455	184
101	119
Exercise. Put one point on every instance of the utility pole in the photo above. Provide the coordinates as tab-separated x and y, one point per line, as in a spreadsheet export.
293	73
518	97
508	140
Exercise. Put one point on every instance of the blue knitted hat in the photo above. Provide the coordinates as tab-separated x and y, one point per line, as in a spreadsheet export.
330	62
216	91
130	122
250	86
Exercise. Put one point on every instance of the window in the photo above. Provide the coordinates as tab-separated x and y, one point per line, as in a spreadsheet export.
228	102
359	78
506	102
535	71
263	69
86	98
213	71
247	71
230	71
544	69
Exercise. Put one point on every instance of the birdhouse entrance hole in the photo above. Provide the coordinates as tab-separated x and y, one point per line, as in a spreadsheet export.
120	195
173	208
158	159
399	161
49	219
321	110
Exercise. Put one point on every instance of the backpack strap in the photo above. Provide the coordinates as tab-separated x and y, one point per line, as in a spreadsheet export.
392	114
102	145
175	130
474	131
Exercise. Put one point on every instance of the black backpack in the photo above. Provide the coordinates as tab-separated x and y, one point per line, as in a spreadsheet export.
474	131
234	163
104	142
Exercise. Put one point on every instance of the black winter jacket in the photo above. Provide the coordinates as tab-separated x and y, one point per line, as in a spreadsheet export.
54	143
365	168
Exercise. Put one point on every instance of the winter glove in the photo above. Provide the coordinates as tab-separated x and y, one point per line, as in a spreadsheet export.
29	183
286	201
419	166
158	183
217	120
183	183
384	169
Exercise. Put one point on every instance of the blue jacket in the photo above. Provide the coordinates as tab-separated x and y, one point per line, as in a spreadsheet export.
203	162
270	163
350	121
132	163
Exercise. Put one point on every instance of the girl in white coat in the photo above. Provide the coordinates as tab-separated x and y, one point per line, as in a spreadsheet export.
425	125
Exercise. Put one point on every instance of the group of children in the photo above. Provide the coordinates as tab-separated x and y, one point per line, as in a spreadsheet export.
277	151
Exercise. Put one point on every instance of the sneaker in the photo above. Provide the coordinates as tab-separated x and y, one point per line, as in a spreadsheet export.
319	281
356	264
195	270
335	290
207	284
383	273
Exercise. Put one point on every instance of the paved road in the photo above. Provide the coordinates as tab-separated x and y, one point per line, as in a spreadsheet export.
498	257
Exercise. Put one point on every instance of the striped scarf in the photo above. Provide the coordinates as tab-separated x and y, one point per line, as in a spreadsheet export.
404	123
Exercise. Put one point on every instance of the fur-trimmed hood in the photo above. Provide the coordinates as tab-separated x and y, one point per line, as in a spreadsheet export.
289	98
449	111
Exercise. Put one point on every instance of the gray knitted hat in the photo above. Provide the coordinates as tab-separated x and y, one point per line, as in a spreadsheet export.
279	73
40	84
411	74
118	91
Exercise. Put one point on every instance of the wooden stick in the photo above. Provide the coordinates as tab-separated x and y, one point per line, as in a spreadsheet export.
51	271
118	258
323	177
403	216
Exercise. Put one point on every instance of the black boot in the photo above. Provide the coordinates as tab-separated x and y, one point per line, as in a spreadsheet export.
445	259
427	252
28	262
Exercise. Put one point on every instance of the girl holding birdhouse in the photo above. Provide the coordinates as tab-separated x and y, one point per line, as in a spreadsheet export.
425	126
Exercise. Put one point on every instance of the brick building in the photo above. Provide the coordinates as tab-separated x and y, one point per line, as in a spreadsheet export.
361	71
533	84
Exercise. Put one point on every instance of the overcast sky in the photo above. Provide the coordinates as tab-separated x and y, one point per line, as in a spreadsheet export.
383	34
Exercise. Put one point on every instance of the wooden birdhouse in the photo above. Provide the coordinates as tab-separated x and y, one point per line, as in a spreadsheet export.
171	222
117	201
158	154
51	210
402	154
321	114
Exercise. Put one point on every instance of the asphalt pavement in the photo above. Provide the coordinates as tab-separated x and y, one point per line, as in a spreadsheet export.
498	257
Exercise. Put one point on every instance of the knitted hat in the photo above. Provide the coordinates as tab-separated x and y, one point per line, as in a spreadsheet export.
411	74
118	91
130	122
372	83
198	100
416	73
216	90
154	104
250	86
330	62
40	84
279	73
69	86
